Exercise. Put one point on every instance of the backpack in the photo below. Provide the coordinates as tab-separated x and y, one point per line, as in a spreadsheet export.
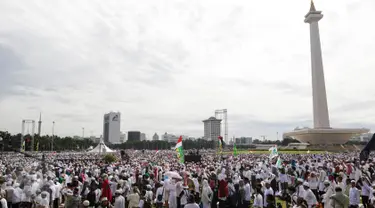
160	196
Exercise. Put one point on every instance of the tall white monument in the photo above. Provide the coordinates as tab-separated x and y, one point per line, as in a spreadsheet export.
322	133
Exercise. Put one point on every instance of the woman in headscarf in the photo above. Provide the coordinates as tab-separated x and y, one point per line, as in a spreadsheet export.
206	194
171	188
106	189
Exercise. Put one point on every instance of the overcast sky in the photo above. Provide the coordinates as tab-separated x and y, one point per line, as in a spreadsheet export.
168	64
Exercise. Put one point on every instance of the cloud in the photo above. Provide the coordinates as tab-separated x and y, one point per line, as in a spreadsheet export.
168	65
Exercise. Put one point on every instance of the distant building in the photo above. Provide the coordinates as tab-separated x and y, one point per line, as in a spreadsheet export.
155	137
111	127
362	137
212	128
169	137
134	136
95	139
244	141
77	137
143	137
122	137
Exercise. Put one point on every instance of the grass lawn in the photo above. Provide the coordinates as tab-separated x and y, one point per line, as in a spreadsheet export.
280	151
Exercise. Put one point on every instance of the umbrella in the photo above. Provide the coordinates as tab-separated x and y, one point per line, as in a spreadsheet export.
172	174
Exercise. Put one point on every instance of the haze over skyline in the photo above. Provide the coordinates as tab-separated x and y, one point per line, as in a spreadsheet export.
168	65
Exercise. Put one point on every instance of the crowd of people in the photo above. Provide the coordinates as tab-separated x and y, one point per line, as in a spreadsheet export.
157	179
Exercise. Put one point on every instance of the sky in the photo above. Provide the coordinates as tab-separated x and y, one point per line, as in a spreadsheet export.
166	65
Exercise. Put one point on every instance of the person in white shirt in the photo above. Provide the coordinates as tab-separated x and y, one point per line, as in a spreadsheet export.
341	183
58	187
354	195
17	194
313	182
258	199
309	196
119	200
247	189
329	191
159	195
3	201
365	193
267	192
191	203
300	190
9	190
206	194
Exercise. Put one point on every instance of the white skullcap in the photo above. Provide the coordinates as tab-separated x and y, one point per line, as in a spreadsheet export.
306	184
86	203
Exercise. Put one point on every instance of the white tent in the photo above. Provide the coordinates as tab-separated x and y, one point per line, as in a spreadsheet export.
101	148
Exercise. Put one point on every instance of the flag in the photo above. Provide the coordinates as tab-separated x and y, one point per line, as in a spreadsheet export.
220	144
279	162
180	150
157	151
235	153
273	151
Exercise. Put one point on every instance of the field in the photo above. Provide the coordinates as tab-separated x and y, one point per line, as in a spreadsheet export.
279	151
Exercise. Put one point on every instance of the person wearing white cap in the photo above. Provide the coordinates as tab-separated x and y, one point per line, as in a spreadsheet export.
268	192
119	200
309	195
206	194
300	190
159	195
105	203
329	191
86	203
3	201
354	195
17	194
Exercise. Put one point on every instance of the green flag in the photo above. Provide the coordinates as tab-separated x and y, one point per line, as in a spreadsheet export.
234	149
180	150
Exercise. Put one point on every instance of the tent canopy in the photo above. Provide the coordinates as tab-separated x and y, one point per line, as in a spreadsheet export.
101	148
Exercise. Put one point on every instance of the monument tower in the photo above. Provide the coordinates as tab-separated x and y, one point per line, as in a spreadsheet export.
322	133
320	107
40	124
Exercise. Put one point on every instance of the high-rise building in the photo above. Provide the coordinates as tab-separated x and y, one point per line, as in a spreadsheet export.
244	141
212	127
111	127
143	136
122	137
155	137
134	136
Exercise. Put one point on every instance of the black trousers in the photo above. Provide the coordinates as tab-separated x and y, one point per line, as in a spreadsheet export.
56	203
365	201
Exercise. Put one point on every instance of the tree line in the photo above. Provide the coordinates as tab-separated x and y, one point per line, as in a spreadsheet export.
44	143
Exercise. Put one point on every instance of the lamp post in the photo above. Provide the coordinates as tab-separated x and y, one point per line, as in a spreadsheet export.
83	133
53	134
2	145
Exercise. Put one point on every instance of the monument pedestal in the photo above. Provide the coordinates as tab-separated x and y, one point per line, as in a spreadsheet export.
325	136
